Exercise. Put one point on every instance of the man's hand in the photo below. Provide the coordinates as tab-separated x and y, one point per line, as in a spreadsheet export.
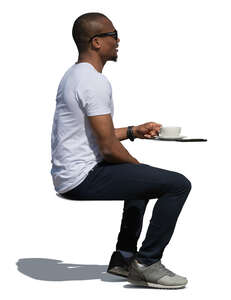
147	130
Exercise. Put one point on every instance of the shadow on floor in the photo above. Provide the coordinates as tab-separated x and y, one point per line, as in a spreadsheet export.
56	270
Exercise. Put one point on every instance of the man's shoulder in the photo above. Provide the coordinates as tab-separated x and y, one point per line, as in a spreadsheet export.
83	77
94	80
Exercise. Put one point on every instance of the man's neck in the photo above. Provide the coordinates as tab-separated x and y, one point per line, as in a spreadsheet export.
96	63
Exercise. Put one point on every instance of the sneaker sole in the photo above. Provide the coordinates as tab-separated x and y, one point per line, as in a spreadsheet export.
156	285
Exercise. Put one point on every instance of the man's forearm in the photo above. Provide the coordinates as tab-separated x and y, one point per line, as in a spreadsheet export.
121	133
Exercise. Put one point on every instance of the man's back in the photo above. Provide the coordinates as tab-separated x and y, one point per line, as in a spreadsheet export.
82	92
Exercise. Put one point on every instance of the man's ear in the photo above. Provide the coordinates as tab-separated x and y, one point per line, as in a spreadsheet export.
96	43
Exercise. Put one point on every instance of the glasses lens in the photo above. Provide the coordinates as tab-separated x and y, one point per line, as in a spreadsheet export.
116	35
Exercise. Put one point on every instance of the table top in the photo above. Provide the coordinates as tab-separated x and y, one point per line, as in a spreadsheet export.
186	139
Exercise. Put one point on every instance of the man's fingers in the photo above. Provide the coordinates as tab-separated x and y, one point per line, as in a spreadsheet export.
154	133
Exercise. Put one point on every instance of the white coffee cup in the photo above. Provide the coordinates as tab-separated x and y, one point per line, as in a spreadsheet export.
170	131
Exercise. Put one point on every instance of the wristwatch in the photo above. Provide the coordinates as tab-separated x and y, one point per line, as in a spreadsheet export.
130	133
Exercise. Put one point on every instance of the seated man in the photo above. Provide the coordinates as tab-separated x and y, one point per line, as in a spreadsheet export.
90	163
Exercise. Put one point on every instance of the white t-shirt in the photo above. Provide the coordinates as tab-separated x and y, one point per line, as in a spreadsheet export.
82	92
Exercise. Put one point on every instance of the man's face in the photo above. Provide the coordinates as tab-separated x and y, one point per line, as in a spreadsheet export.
108	44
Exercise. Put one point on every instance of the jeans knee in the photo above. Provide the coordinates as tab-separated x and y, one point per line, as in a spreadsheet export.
183	182
187	184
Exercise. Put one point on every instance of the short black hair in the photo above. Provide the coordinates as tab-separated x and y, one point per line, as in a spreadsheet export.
84	27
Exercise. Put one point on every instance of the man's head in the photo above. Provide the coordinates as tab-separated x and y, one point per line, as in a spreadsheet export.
89	25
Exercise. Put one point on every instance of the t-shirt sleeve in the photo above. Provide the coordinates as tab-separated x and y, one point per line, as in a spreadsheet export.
94	96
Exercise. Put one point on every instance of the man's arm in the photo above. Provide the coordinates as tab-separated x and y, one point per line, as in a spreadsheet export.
113	151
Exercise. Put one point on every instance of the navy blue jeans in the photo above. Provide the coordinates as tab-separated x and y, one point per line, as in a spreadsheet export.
136	184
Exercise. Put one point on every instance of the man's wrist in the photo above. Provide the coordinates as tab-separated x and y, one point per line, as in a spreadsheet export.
134	128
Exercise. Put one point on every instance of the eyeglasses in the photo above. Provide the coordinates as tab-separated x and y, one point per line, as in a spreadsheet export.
114	34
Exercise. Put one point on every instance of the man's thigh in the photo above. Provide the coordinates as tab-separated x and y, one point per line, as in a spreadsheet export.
126	181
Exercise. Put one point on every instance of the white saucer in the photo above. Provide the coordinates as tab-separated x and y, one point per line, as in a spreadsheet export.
170	137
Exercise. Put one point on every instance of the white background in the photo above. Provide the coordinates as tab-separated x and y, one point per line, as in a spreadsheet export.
173	68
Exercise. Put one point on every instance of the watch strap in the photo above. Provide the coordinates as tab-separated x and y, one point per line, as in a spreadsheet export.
130	133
